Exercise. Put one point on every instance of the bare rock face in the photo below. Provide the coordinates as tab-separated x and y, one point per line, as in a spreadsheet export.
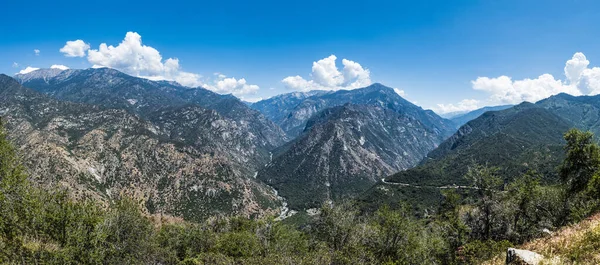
102	153
522	257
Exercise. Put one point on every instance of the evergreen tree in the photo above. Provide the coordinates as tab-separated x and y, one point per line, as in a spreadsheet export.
582	160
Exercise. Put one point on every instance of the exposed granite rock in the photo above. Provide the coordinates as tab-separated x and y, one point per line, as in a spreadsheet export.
522	257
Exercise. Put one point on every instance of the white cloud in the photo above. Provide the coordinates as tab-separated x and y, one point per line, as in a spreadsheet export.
325	73
589	82
299	83
15	65
251	99
354	75
59	66
134	58
36	51
400	92
503	90
27	70
579	80
462	106
326	76
130	56
575	67
76	48
230	85
188	79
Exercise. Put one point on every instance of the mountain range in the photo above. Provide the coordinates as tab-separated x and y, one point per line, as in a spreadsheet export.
192	153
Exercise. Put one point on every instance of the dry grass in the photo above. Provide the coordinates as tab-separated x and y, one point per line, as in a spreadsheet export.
575	244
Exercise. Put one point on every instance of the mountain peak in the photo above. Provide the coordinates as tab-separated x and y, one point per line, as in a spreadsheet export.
44	74
378	86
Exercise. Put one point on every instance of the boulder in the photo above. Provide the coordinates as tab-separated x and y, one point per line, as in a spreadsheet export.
522	257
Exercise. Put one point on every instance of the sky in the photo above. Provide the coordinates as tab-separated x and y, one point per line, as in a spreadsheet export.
442	55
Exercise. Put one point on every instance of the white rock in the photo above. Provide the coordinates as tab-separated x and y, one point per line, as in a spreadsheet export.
520	256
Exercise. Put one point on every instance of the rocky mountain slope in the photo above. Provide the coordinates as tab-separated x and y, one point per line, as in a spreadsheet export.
151	99
102	152
345	150
525	137
295	118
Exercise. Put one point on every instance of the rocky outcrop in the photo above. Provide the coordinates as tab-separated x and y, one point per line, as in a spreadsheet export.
522	257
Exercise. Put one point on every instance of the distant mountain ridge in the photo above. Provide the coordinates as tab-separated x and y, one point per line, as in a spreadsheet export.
297	114
461	119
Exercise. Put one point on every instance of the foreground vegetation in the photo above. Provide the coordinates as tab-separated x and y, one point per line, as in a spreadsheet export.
573	244
41	226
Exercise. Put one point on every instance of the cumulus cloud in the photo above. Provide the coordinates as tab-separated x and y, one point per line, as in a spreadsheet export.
579	80
252	99
27	70
326	76
36	51
462	106
76	48
589	82
230	85
400	92
131	56
59	66
503	90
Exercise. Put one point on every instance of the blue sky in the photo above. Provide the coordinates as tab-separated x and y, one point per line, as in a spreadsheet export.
431	50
